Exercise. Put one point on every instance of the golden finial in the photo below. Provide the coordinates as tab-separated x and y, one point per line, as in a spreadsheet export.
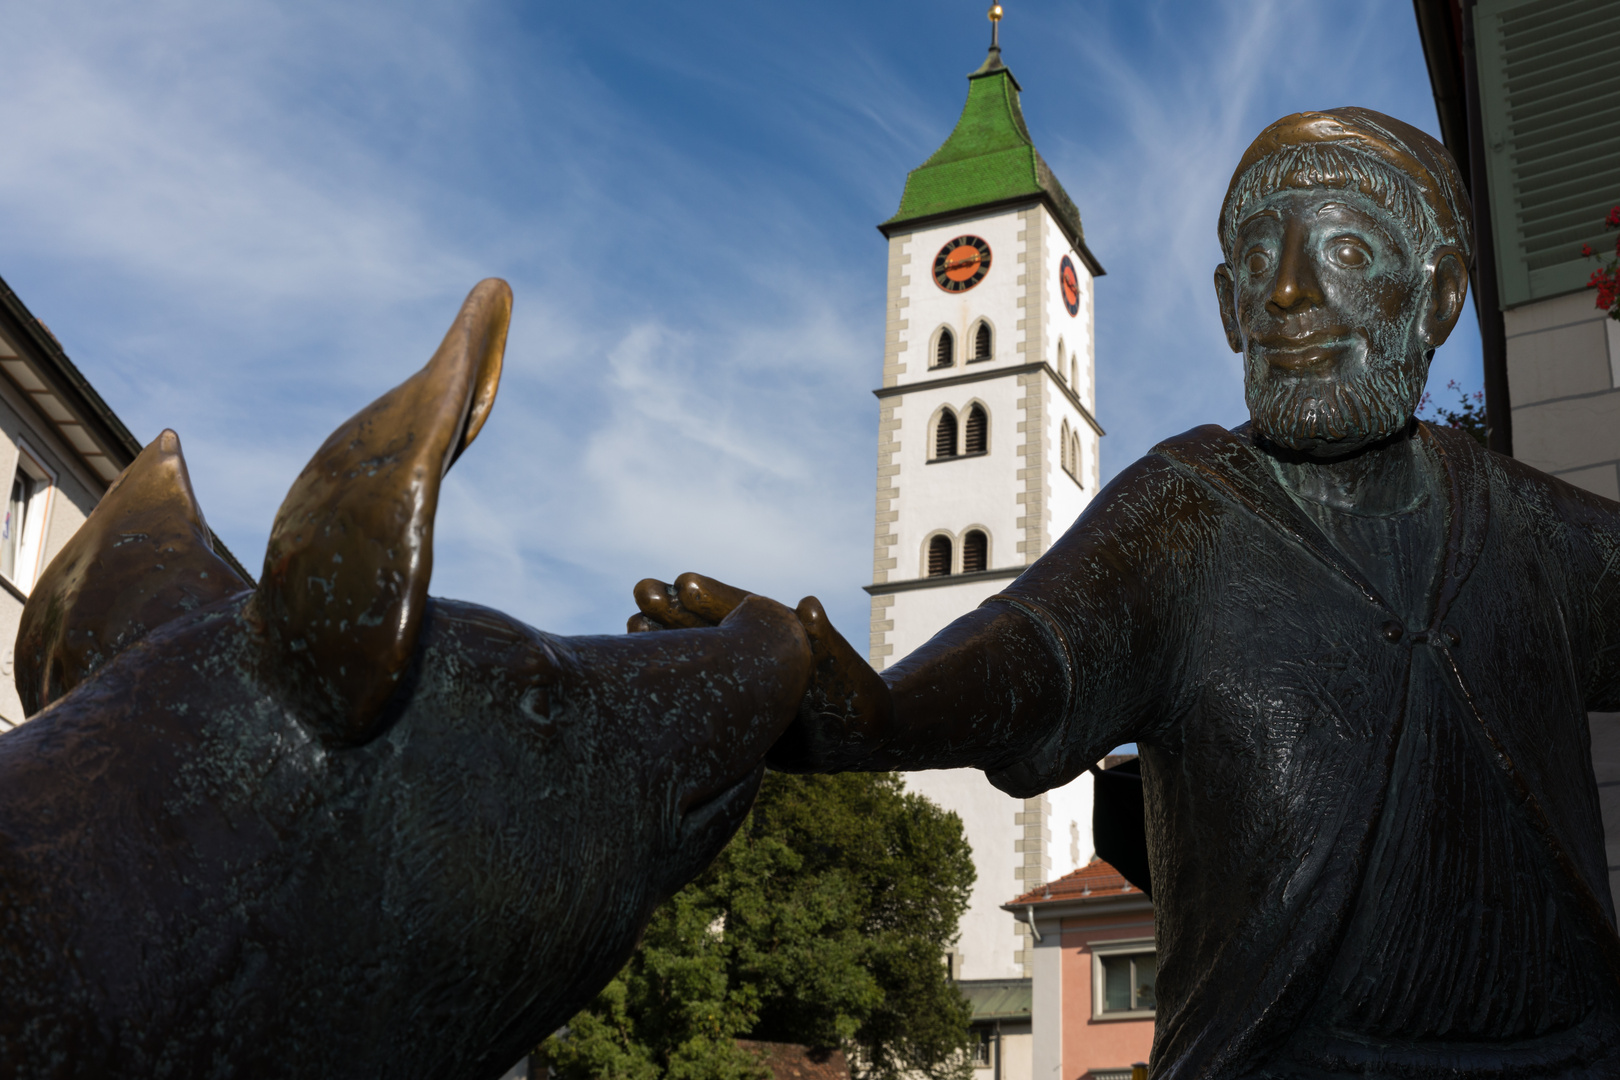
995	25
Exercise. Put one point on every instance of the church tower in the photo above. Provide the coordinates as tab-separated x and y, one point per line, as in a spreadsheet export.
987	450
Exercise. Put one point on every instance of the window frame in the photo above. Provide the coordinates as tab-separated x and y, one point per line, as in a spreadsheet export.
36	517
1122	947
983	1052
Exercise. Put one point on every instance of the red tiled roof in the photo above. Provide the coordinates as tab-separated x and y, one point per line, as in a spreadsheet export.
791	1061
1096	879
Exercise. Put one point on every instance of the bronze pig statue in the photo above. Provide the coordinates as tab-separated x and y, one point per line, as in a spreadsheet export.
326	826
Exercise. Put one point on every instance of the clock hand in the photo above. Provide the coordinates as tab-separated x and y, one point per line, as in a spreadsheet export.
968	260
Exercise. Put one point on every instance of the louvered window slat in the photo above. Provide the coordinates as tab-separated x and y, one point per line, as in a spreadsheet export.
945	435
939	556
978	424
981	342
945	350
1550	90
975	551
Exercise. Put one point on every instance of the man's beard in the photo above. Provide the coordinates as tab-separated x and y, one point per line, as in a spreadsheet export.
1315	413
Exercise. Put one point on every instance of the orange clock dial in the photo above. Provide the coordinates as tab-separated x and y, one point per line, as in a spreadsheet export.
961	264
1069	281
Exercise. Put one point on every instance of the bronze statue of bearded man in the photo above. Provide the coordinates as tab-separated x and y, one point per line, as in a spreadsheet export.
1356	653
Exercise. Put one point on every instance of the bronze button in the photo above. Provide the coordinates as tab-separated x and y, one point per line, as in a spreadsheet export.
1392	631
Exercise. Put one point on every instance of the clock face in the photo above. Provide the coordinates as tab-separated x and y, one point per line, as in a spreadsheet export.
1069	281
961	264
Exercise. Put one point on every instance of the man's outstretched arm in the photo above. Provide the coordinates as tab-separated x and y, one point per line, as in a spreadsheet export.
983	693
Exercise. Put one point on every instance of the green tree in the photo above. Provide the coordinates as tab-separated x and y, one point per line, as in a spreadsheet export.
823	922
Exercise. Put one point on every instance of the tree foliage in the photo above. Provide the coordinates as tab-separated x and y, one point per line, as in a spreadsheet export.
1469	415
823	922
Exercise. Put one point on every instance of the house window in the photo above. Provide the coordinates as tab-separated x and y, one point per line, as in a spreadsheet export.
945	435
981	1047
978	427
975	552
939	556
1124	980
945	349
22	531
981	341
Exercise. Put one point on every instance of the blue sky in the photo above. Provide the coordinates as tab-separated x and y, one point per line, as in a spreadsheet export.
246	220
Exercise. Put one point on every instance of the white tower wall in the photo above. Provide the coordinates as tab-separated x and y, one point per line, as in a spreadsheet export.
1019	493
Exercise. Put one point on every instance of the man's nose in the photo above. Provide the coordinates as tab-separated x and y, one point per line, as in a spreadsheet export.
1297	285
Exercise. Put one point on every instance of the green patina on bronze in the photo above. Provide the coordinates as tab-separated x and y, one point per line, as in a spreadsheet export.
989	158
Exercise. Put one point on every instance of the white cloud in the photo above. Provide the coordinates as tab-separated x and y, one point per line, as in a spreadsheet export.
247	220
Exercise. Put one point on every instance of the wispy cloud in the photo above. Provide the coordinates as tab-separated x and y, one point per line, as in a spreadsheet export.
246	220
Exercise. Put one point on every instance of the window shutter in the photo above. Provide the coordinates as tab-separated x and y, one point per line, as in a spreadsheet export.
945	351
939	556
1549	85
945	435
981	342
977	422
974	549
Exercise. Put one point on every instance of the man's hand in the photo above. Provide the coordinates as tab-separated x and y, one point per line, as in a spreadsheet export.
847	711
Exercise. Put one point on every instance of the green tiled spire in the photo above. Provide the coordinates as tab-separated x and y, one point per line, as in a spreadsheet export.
989	158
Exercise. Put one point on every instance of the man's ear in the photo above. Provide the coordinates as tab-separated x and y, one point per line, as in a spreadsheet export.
1226	297
1448	288
144	556
346	572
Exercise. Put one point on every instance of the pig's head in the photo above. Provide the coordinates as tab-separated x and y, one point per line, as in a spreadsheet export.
326	824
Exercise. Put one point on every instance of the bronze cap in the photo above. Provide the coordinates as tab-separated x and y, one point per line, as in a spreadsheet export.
1394	143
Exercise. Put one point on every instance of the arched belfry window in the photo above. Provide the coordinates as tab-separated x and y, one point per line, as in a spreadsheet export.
945	435
981	341
977	436
1063	449
1062	368
939	556
945	349
1074	457
975	552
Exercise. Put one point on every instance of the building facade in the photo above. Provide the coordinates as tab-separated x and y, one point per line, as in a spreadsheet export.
1528	95
987	450
60	447
1093	976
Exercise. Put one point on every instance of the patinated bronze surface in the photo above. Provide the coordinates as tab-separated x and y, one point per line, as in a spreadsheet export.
1356	654
327	826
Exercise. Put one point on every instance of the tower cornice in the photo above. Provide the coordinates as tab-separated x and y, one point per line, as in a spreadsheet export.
993	373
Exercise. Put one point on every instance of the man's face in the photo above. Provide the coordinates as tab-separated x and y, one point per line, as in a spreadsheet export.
1334	312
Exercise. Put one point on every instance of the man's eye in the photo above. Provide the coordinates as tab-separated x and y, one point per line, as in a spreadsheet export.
1349	253
1257	261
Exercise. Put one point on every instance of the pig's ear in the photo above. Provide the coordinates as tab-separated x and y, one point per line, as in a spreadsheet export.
145	556
346	573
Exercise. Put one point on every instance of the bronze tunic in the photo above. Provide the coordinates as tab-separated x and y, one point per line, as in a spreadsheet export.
1374	833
